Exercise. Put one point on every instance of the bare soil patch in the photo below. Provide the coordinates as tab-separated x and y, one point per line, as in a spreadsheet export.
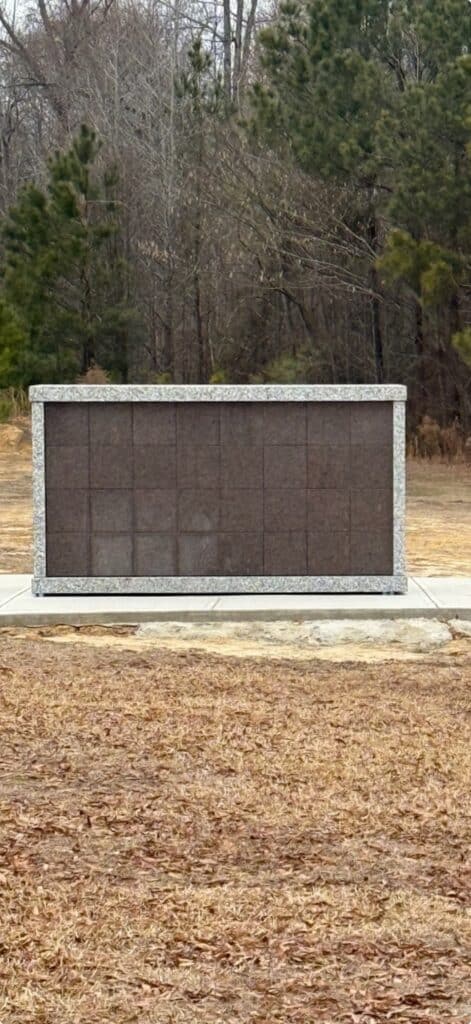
189	838
355	640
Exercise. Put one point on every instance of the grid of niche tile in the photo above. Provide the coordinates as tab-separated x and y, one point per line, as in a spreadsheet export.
191	489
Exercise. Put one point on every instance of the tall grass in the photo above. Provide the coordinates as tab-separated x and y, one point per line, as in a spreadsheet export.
13	402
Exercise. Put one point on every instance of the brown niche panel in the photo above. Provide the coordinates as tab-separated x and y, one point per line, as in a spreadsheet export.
219	488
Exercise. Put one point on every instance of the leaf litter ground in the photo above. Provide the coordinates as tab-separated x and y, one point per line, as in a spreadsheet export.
191	838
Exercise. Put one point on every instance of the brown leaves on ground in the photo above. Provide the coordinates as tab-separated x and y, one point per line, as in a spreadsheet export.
191	839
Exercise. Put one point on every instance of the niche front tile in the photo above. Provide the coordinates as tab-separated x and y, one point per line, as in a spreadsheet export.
197	423
111	467
155	466
282	507
371	423
328	552
241	510
328	509
240	554
111	511
371	552
155	554
67	554
285	553
67	510
154	423
65	423
197	554
242	423
155	509
285	423
371	467
371	509
111	423
111	554
198	465
67	466
285	467
328	466
328	423
198	511
241	466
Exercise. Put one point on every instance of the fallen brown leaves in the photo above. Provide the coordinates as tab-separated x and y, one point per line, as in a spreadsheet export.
186	838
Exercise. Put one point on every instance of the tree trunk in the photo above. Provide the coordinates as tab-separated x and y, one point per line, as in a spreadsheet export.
227	63
375	302
377	334
237	51
168	361
88	354
455	315
88	347
420	354
249	30
202	351
201	347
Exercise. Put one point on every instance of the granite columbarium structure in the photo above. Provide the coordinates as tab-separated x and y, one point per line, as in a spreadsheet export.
218	489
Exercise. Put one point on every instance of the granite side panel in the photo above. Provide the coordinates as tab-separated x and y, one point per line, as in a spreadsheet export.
399	488
39	489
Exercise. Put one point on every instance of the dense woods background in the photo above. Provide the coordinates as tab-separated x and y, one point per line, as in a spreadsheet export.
195	191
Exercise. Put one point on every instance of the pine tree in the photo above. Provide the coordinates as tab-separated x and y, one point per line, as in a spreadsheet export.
15	362
374	95
426	144
324	98
63	276
430	245
201	103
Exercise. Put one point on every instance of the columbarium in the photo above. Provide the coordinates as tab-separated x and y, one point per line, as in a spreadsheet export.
218	489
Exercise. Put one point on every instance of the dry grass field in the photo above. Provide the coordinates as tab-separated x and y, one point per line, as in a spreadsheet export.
438	519
188	838
15	509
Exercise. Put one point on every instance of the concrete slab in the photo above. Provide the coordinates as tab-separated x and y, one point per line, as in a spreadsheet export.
326	606
11	585
427	597
452	593
25	609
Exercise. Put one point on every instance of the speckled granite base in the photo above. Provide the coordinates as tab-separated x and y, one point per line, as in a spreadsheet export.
222	585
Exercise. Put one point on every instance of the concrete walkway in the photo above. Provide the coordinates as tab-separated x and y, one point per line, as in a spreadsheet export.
445	597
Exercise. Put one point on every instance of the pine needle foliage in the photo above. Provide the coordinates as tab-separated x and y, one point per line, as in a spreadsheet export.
63	305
